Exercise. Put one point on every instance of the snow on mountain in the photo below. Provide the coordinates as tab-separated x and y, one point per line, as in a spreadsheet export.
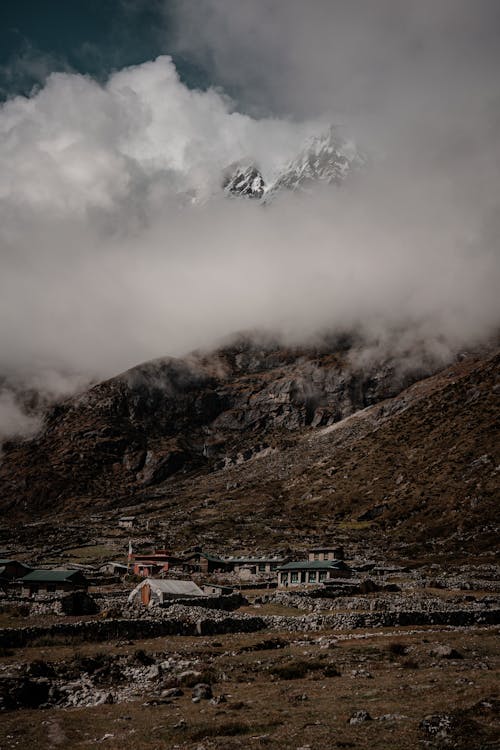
244	179
324	158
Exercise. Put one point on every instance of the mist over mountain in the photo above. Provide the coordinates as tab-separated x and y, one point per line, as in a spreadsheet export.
119	238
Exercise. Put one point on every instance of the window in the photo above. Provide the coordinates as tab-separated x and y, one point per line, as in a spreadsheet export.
294	577
262	567
51	587
312	576
316	555
284	578
322	575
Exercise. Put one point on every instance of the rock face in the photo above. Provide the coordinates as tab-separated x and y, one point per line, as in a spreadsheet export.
326	158
244	180
239	441
202	413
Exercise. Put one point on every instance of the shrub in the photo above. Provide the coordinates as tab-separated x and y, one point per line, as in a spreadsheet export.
397	649
295	670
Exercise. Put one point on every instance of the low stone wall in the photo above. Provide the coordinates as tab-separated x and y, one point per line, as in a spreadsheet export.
353	621
191	621
103	630
70	603
224	602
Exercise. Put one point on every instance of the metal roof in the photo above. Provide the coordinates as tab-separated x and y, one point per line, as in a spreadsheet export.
314	565
253	560
172	586
50	575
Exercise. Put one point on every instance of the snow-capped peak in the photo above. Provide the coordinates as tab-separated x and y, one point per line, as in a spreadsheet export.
325	158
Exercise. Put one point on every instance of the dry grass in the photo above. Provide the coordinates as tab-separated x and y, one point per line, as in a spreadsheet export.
310	707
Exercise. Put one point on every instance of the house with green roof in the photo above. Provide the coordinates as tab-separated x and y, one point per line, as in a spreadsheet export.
52	581
311	572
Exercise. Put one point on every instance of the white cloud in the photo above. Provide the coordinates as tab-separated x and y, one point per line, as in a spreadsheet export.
102	266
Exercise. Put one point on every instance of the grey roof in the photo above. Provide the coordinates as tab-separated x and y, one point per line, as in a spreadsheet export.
253	560
172	586
207	556
314	565
51	576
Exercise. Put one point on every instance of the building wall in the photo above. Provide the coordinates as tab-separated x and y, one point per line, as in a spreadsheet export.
333	554
287	579
31	589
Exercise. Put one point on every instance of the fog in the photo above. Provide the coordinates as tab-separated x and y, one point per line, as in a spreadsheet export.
117	244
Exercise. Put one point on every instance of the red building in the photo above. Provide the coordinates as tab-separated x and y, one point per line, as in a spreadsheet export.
155	563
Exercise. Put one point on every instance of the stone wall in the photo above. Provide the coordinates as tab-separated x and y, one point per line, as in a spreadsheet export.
103	630
189	621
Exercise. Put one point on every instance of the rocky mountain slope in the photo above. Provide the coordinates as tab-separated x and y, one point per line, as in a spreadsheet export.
275	444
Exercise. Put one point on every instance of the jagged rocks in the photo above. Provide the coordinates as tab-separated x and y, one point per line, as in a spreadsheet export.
442	651
359	717
244	180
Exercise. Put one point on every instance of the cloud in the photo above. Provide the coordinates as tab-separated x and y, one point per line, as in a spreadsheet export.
14	420
117	244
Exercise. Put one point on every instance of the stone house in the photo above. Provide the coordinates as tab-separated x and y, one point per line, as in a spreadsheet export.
326	553
249	566
204	562
311	572
127	522
52	581
113	568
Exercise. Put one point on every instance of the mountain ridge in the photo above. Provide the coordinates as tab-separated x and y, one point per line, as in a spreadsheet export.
255	422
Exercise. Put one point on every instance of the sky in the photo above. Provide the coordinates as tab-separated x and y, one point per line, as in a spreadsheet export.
118	119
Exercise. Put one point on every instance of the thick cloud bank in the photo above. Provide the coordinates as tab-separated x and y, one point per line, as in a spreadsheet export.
117	244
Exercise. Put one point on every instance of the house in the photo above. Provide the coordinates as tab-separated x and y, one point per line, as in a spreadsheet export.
215	589
113	568
248	566
311	572
204	562
10	570
326	553
126	522
153	563
157	591
50	581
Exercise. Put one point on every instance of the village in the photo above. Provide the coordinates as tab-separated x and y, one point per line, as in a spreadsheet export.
116	620
160	576
146	580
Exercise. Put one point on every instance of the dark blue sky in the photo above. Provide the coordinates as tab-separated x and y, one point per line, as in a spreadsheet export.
93	37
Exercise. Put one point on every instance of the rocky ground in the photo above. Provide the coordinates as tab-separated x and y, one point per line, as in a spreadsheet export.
263	450
404	665
400	688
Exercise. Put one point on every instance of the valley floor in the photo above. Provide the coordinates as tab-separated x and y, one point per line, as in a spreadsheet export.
369	690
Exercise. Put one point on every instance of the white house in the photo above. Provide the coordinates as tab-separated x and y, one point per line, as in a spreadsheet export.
157	591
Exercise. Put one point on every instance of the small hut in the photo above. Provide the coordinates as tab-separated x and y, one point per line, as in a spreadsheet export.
158	591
